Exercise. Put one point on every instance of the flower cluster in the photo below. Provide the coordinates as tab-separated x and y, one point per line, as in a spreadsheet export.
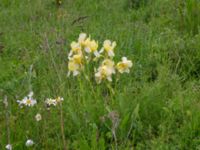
29	101
54	102
85	50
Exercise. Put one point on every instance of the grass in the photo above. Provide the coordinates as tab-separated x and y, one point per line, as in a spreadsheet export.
156	106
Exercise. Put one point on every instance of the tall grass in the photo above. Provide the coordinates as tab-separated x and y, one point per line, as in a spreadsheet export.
189	16
156	106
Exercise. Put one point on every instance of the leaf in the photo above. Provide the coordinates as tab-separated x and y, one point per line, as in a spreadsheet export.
136	111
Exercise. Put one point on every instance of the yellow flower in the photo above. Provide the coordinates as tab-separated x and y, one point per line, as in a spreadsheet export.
105	71
109	46
74	68
86	42
124	65
75	47
91	46
75	64
109	63
77	59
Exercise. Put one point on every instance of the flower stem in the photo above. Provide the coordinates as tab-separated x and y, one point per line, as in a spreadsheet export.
62	127
7	119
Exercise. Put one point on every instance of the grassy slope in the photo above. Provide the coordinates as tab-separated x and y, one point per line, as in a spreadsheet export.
158	102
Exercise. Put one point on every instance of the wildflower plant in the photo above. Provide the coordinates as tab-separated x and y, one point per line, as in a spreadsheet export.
86	51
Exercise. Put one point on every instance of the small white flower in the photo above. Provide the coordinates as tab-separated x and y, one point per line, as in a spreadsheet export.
29	143
54	102
38	117
28	100
50	101
9	147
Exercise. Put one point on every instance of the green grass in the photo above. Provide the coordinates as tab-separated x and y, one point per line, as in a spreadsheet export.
157	104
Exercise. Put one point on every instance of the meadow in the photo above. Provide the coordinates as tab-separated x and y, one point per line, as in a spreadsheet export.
155	106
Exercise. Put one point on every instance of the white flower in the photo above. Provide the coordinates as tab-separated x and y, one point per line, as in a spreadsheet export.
82	37
27	101
54	102
29	143
124	65
50	101
109	46
38	117
9	147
